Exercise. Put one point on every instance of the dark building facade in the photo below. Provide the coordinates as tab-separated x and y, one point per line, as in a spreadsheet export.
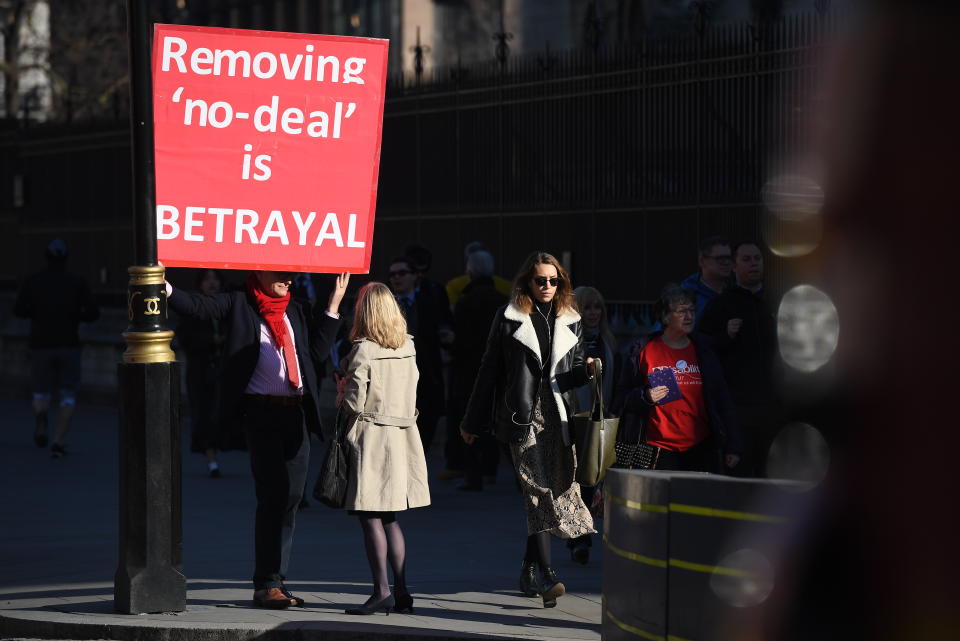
617	159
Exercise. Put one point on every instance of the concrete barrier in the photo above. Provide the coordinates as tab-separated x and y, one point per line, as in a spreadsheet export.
689	556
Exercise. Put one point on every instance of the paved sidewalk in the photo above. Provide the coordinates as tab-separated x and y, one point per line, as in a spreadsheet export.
58	553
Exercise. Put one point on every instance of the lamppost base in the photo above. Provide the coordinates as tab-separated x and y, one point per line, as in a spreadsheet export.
150	577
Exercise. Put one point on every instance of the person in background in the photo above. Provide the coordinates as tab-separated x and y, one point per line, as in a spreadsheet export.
307	288
387	471
743	326
269	388
303	289
202	343
428	317
525	389
698	431
455	286
56	302
473	316
716	262
598	344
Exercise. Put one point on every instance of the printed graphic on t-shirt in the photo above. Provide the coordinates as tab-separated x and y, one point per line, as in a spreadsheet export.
686	373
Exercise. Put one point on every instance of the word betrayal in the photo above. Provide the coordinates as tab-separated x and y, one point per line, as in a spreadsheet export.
243	226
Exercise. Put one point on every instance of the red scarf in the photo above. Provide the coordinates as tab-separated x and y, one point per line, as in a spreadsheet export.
272	310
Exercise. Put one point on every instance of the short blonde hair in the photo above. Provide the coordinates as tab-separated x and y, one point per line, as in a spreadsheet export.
377	317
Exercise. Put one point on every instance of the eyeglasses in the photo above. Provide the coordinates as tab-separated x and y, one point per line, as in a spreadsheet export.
542	281
685	311
722	258
399	273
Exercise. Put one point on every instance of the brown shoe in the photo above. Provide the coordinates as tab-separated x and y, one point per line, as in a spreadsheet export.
489	480
294	600
272	598
447	474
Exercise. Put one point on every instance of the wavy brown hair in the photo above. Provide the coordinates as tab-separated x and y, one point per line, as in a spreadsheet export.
522	298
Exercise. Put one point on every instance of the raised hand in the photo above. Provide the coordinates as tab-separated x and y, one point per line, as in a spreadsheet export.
336	296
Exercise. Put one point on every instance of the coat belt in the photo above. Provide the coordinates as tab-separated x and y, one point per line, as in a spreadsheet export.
384	419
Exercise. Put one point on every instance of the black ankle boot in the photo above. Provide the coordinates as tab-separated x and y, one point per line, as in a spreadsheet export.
551	587
529	586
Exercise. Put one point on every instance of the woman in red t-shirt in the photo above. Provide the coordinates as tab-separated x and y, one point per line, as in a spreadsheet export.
690	420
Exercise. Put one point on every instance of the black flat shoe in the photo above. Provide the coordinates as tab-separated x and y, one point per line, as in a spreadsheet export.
404	603
383	605
552	588
57	450
529	586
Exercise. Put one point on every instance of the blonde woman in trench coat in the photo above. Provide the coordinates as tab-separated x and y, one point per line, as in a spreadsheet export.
387	471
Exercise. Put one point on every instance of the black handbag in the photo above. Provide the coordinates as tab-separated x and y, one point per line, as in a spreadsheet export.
637	456
331	486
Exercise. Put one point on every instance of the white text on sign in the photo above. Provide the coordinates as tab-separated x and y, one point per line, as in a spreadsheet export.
239	226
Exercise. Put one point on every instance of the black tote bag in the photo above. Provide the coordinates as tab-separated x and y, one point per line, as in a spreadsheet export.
331	486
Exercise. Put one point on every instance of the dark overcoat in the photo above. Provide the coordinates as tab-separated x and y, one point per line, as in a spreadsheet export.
313	334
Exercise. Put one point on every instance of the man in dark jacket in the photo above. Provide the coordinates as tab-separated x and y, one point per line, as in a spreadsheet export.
743	327
425	306
472	317
714	260
56	302
270	388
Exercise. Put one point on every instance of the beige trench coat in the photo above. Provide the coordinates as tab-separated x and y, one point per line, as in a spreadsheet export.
387	468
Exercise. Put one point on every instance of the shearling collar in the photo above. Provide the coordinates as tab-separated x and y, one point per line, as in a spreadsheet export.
514	313
563	340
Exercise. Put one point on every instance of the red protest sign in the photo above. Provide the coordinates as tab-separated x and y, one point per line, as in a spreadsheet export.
267	148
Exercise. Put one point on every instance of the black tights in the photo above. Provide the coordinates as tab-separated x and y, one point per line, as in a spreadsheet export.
538	549
384	542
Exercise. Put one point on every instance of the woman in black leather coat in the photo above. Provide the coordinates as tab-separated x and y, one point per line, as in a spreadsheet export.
525	393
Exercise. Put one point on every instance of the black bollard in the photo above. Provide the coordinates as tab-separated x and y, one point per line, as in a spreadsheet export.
149	576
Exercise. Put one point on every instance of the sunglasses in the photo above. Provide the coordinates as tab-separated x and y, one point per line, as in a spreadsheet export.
723	259
400	272
542	281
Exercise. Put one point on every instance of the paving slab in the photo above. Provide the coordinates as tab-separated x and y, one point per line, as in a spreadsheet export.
59	551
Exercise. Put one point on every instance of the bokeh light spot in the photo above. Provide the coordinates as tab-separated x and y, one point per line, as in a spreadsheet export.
743	579
793	225
808	328
799	453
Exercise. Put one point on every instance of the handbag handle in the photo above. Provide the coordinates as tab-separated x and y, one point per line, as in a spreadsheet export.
597	387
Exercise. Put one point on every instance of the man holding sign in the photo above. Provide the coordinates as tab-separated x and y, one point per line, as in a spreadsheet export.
269	388
267	154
